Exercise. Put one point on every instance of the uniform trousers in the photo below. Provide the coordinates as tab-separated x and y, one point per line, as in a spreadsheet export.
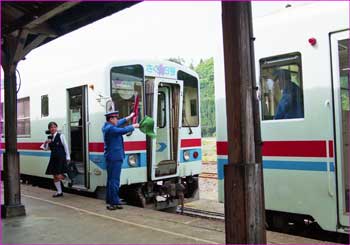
113	181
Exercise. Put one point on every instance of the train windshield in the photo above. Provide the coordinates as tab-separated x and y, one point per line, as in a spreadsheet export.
127	87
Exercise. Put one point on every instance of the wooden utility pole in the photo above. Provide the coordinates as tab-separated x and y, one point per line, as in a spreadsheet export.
244	192
12	52
14	49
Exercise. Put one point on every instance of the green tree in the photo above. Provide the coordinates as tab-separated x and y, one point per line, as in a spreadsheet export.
205	70
178	60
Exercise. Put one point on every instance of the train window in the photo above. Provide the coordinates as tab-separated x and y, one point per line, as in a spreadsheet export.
193	107
44	106
23	117
127	87
344	74
161	117
282	87
2	120
190	117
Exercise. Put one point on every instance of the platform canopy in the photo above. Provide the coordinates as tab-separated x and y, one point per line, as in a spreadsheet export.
46	21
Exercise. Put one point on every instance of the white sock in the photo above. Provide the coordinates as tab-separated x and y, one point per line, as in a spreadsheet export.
58	187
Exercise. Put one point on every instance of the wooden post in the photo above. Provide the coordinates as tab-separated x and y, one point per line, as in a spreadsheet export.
14	49
12	195
244	197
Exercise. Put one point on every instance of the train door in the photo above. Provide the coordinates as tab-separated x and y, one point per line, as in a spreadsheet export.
167	105
163	141
77	133
341	89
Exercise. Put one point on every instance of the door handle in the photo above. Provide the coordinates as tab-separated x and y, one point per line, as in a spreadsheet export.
329	174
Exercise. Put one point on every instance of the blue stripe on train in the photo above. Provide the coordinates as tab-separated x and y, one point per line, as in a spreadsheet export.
99	160
286	165
35	153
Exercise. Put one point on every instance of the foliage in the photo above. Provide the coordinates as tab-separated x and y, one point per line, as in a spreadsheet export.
205	70
345	93
177	60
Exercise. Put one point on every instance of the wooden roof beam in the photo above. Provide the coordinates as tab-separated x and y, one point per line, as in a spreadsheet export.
30	22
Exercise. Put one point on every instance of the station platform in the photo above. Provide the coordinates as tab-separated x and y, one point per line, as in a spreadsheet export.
75	219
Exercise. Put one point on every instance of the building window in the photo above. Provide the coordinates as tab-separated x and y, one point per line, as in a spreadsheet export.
44	106
282	87
23	117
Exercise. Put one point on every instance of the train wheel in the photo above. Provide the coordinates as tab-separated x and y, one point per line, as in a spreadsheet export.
100	192
140	198
135	197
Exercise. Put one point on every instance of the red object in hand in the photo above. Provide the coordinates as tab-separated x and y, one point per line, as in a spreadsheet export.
136	109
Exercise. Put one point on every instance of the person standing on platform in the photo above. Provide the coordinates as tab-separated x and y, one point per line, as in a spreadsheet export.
59	157
114	154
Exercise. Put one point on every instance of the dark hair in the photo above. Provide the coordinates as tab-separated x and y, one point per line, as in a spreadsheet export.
282	74
51	124
109	117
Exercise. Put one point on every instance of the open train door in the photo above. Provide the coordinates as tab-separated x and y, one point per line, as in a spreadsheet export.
341	97
166	110
78	136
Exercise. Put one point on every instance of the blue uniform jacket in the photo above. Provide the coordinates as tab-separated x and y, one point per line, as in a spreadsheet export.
113	140
290	105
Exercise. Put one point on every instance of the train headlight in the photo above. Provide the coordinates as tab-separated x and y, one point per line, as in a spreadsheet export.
186	155
97	171
132	160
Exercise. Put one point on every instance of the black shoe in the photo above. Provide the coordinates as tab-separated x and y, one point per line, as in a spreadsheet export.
112	207
58	195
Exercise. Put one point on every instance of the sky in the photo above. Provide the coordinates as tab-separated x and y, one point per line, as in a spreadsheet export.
148	30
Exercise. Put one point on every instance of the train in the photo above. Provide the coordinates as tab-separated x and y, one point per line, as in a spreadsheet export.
306	154
156	173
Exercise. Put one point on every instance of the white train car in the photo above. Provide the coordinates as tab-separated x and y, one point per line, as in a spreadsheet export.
306	155
78	100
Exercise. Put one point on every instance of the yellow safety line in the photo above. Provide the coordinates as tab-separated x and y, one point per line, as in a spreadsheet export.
122	221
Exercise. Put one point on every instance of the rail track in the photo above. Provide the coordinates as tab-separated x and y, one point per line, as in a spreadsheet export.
201	213
208	175
313	231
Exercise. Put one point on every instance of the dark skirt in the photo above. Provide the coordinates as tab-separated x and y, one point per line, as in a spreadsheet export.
57	166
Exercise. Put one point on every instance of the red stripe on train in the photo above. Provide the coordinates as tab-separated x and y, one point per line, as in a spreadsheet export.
191	143
98	146
128	146
313	148
330	147
295	148
25	146
95	147
221	148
